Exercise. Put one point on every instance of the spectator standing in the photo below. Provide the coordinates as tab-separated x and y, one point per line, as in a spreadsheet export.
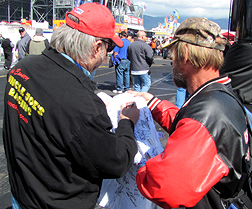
57	137
207	157
123	68
1	38
141	58
7	46
130	37
164	50
153	45
22	43
37	43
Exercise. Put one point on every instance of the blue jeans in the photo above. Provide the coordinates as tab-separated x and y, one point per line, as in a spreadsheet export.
181	96
142	83
15	204
123	72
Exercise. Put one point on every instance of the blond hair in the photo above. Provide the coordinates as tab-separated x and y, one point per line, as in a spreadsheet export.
199	57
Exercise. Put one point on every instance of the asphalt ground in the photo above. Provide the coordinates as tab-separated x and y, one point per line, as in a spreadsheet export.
162	86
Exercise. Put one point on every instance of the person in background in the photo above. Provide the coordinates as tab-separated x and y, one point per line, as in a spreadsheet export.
238	66
123	69
206	159
56	130
181	96
37	43
1	38
22	43
141	58
130	37
164	50
153	45
7	46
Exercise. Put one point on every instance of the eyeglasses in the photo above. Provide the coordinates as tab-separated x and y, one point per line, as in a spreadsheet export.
111	44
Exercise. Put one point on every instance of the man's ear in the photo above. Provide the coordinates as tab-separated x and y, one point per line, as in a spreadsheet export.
97	47
186	55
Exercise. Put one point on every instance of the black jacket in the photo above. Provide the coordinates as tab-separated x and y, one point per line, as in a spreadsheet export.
7	45
57	135
238	66
140	55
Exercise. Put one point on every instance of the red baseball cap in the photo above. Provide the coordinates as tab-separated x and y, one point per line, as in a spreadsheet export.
95	20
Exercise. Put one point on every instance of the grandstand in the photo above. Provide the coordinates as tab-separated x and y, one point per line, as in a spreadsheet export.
49	10
15	10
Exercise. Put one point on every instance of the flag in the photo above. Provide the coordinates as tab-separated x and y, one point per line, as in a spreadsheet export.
128	2
144	6
166	22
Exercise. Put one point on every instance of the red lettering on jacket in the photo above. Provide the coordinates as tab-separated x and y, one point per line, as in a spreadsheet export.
19	73
16	108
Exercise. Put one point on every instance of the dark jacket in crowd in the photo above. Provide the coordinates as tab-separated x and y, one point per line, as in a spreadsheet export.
140	55
21	45
7	46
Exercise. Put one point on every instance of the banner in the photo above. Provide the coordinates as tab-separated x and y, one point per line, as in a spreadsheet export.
120	27
58	23
133	20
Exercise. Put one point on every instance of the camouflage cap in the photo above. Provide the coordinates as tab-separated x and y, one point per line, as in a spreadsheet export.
198	31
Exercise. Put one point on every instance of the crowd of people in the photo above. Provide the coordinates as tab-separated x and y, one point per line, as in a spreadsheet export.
56	130
24	47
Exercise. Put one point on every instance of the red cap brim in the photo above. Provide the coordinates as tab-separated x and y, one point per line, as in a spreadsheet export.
117	41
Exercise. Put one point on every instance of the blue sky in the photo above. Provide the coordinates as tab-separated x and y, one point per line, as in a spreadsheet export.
211	9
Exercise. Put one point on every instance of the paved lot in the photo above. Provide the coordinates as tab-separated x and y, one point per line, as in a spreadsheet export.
162	87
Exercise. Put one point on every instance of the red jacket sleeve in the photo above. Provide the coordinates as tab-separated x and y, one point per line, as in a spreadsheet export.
164	113
188	167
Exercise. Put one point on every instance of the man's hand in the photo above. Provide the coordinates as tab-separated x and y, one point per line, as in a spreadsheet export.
147	96
130	111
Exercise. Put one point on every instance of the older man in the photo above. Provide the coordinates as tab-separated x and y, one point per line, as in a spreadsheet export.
141	58
205	162
57	136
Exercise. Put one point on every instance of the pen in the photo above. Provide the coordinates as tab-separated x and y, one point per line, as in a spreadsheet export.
130	104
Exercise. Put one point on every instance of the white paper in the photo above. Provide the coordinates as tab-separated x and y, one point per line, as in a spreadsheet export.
122	193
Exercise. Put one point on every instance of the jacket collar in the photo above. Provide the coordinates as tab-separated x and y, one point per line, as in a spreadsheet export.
225	80
139	40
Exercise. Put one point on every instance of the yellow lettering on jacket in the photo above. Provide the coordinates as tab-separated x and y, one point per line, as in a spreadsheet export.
12	92
24	99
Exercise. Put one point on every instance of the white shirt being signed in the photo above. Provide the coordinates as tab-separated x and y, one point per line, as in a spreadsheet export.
122	193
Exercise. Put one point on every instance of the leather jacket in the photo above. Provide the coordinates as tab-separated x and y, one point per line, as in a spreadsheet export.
207	149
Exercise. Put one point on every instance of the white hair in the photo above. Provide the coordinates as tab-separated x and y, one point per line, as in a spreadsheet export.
77	45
